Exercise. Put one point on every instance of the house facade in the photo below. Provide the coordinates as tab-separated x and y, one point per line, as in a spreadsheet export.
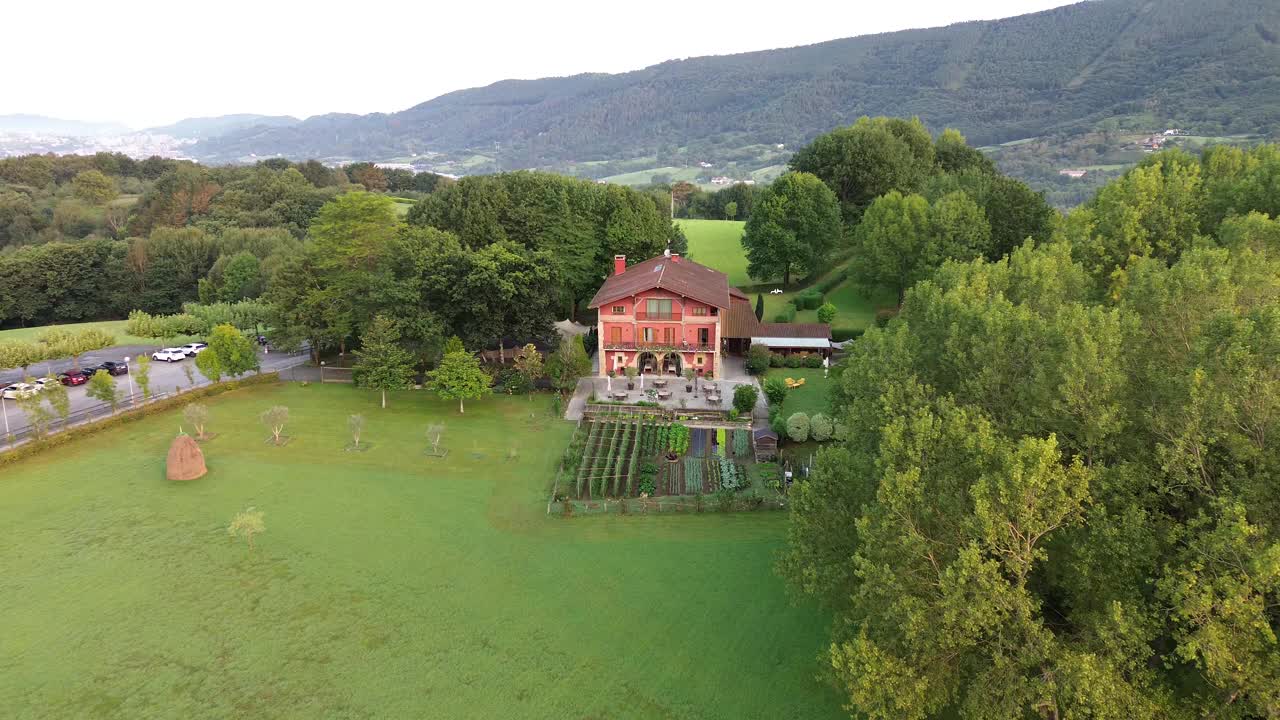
662	316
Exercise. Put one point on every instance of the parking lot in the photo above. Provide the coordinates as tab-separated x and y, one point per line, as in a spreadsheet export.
165	377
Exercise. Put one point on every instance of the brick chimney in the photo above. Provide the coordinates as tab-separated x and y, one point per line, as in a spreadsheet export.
619	264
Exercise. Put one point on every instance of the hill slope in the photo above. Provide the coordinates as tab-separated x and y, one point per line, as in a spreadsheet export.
210	127
1209	64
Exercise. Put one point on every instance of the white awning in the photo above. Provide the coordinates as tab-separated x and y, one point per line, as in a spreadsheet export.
780	342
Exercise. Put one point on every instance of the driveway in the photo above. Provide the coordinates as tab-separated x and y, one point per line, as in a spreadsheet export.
165	377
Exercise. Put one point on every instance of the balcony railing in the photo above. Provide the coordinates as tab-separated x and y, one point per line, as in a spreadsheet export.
656	345
674	315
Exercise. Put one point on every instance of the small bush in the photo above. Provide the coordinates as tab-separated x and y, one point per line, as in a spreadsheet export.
827	313
883	316
820	427
744	398
798	427
757	359
775	389
813	361
794	361
777	360
809	300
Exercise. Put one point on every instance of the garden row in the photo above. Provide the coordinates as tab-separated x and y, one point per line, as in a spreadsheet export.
633	456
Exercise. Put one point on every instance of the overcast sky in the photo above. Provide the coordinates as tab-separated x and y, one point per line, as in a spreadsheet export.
152	62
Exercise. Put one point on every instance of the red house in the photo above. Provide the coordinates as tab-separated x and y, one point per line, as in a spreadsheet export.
663	315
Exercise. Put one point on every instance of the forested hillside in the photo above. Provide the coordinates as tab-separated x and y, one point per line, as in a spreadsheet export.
1206	64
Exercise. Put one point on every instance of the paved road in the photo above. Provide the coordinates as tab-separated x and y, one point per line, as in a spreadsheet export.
165	377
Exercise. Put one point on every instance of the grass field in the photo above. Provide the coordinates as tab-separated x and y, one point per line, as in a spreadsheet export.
810	398
387	584
854	309
115	327
718	244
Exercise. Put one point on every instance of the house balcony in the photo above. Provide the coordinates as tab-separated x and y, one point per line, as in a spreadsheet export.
659	346
673	316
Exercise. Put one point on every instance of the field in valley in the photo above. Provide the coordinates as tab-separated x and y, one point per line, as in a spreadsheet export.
387	584
115	327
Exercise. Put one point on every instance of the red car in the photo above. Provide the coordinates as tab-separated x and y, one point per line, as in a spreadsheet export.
73	377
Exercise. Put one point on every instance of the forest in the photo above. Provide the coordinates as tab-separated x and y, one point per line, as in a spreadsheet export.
1056	497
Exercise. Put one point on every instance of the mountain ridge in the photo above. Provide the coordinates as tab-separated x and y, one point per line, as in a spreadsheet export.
1069	69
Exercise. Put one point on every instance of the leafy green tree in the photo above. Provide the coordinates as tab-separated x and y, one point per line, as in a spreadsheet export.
730	210
241	278
94	187
103	389
210	366
568	363
744	398
890	243
528	363
275	418
794	227
958	230
458	377
32	405
198	416
381	363
868	159
234	352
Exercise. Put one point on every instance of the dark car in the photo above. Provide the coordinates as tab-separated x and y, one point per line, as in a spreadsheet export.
113	368
73	377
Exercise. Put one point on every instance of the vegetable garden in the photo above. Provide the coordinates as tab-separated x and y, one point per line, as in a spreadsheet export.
616	457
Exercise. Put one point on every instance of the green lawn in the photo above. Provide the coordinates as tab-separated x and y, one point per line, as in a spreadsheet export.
854	309
115	327
718	244
387	584
810	398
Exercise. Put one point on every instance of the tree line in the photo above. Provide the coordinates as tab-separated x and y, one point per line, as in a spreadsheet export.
1056	496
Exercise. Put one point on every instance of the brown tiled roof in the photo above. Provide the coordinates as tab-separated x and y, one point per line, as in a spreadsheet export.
794	330
740	321
736	293
681	276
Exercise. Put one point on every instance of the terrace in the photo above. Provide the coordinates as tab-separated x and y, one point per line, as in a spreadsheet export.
668	392
658	346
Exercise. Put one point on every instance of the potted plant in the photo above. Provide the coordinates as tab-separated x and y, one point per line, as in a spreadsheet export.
631	377
689	375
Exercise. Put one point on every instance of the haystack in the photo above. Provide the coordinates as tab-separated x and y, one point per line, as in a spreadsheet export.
185	462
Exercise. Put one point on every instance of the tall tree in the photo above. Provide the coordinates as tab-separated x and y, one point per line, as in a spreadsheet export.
381	363
794	227
890	243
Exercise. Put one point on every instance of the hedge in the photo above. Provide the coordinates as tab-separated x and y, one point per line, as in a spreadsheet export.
842	334
63	437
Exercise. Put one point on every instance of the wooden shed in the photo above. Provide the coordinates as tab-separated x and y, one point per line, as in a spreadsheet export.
765	442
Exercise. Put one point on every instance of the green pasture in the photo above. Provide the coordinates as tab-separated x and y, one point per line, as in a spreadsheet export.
388	584
812	397
718	244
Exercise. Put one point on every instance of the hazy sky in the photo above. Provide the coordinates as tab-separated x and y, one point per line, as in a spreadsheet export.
151	62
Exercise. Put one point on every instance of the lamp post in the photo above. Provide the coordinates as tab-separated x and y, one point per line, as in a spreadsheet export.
321	372
5	410
128	371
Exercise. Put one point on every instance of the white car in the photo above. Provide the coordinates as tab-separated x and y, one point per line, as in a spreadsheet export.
21	390
192	348
169	355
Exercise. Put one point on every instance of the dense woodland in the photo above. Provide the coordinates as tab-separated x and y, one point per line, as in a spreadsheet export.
87	238
1056	493
1206	64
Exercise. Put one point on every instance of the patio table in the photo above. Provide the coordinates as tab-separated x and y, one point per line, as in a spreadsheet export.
619	395
659	383
664	394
